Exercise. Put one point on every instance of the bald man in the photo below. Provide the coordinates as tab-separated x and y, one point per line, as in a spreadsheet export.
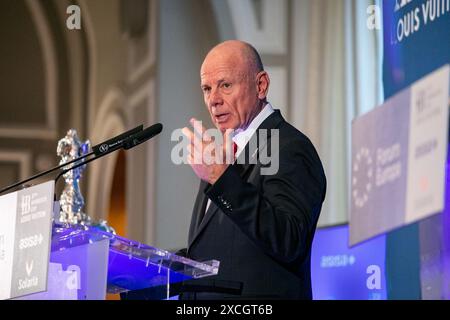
259	226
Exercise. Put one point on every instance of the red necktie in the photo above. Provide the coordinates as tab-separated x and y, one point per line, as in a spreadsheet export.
235	148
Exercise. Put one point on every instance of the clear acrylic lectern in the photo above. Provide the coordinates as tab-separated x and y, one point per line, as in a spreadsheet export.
86	263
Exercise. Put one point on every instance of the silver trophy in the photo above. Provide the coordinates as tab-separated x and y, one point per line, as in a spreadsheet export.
71	202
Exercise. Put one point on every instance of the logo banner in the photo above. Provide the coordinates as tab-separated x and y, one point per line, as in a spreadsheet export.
398	158
25	234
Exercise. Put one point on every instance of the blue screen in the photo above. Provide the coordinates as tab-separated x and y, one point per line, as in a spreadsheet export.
343	273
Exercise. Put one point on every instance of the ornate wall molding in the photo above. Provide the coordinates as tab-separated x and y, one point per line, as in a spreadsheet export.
139	68
46	41
22	158
266	28
264	24
93	67
108	123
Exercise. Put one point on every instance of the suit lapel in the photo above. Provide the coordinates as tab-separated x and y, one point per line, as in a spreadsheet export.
199	209
206	218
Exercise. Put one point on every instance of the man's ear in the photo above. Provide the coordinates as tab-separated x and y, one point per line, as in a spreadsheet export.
262	84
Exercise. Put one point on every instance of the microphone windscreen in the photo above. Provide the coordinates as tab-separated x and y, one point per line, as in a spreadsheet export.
143	136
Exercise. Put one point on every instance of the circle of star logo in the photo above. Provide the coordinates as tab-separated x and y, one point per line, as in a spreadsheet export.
362	173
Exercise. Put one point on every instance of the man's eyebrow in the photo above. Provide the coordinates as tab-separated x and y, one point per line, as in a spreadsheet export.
222	80
218	82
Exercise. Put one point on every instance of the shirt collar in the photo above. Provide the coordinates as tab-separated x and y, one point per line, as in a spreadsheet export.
241	137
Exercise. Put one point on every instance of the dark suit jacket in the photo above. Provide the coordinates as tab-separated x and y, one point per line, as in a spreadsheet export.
260	227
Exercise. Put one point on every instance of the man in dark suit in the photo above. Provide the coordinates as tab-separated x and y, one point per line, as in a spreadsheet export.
259	226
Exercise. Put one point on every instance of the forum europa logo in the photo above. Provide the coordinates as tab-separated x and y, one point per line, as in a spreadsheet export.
362	173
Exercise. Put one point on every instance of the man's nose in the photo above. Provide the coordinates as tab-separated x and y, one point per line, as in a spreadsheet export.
215	98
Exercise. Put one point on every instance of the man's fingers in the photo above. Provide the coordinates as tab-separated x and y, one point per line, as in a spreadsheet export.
194	149
195	142
188	133
228	145
196	138
227	140
199	129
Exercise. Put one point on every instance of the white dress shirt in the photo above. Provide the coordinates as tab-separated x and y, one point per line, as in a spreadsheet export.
242	137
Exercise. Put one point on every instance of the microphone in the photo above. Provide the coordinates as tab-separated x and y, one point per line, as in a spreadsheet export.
126	144
143	136
99	150
115	143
